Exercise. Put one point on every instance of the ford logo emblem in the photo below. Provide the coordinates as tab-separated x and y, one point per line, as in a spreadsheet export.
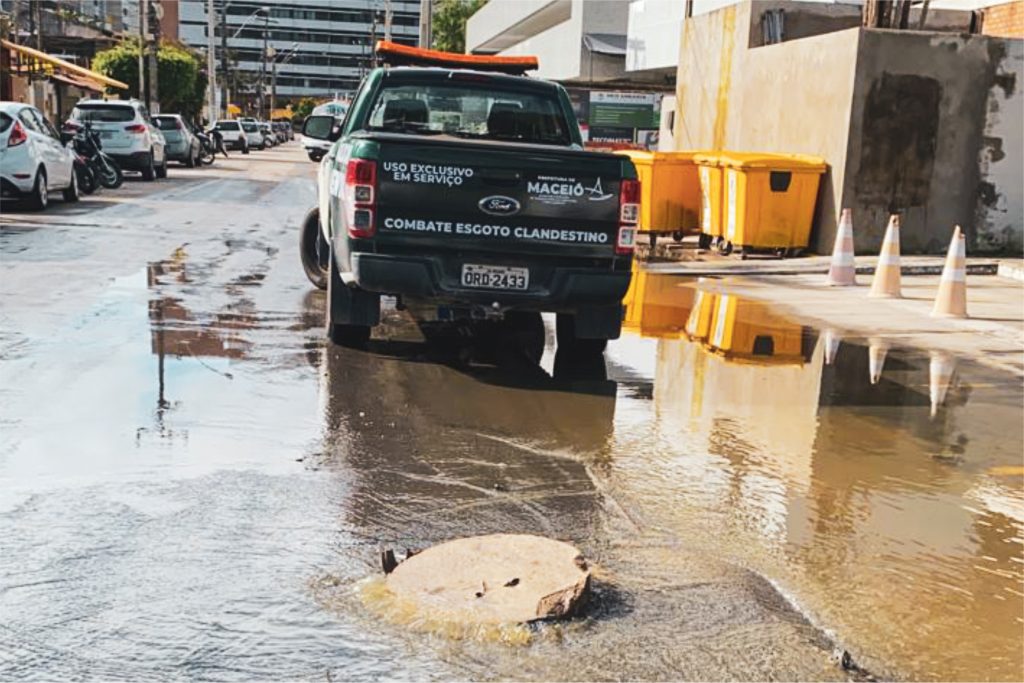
497	205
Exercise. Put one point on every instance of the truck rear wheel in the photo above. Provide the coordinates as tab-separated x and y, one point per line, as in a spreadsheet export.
351	313
313	249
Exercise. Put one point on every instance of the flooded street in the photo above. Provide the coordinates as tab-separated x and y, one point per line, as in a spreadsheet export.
193	484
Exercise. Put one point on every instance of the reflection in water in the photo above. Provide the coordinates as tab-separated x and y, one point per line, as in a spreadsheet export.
858	474
434	446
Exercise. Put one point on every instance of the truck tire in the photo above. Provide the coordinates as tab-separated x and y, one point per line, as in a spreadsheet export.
568	340
351	313
311	247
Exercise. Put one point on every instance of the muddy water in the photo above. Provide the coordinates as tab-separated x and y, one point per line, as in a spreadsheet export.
193	485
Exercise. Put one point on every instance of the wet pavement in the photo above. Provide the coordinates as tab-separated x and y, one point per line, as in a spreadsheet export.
193	485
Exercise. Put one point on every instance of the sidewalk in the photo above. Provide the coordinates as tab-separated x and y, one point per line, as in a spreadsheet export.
993	335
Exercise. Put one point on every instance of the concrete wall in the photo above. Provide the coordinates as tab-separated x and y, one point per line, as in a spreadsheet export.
763	99
653	34
1000	209
917	139
928	124
1005	20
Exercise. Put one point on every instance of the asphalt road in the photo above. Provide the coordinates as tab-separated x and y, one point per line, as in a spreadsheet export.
193	484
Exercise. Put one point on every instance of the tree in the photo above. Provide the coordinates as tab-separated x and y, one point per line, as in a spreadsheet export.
449	24
181	80
303	108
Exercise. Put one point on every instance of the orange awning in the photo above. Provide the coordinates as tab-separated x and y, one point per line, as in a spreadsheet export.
72	69
82	83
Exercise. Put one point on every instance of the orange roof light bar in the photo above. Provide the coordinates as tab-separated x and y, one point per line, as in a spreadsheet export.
395	54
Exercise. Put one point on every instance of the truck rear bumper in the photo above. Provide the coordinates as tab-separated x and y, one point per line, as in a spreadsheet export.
567	288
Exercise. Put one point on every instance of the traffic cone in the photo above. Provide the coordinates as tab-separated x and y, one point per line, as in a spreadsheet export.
877	350
843	272
940	372
952	299
831	340
886	284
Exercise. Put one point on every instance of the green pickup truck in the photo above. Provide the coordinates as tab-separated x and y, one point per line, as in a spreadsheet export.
471	191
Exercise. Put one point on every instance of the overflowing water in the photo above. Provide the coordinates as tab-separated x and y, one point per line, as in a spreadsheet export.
192	485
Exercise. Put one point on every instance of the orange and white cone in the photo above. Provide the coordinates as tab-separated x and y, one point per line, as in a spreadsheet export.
951	301
877	350
831	341
940	372
886	284
843	272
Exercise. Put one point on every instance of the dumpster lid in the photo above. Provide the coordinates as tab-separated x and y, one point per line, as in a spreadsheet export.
779	162
646	157
707	158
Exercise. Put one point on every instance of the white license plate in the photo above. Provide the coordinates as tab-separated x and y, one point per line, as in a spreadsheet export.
495	277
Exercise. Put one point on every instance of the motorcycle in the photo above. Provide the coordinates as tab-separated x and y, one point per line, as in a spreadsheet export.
87	182
207	146
86	143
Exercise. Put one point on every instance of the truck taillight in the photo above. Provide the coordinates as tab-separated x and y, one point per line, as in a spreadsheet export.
629	215
361	197
17	136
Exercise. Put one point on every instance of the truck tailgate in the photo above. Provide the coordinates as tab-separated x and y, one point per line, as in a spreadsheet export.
494	197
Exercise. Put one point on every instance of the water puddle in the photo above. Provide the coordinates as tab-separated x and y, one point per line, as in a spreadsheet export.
881	486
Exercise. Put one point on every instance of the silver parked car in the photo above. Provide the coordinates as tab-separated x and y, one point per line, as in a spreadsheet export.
33	160
127	133
182	145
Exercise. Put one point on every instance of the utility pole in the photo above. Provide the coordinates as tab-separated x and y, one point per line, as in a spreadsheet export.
426	15
153	72
142	51
263	64
224	56
39	24
211	64
387	20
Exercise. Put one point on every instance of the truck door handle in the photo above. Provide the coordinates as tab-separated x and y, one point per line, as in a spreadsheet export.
501	179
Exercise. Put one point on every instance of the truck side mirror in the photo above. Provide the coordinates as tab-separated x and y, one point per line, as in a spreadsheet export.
320	128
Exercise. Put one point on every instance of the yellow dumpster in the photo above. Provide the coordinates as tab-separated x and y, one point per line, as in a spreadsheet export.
669	192
768	201
742	330
710	174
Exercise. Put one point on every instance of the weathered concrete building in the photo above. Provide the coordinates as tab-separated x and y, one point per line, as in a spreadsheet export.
924	122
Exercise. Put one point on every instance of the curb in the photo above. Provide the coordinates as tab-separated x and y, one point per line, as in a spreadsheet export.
982	268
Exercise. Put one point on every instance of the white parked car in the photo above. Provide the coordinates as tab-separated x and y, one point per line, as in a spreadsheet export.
33	160
127	133
253	134
233	136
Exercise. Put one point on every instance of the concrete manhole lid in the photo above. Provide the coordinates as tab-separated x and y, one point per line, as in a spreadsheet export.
496	579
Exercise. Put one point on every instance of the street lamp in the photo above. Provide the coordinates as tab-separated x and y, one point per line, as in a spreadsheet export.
265	11
273	74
